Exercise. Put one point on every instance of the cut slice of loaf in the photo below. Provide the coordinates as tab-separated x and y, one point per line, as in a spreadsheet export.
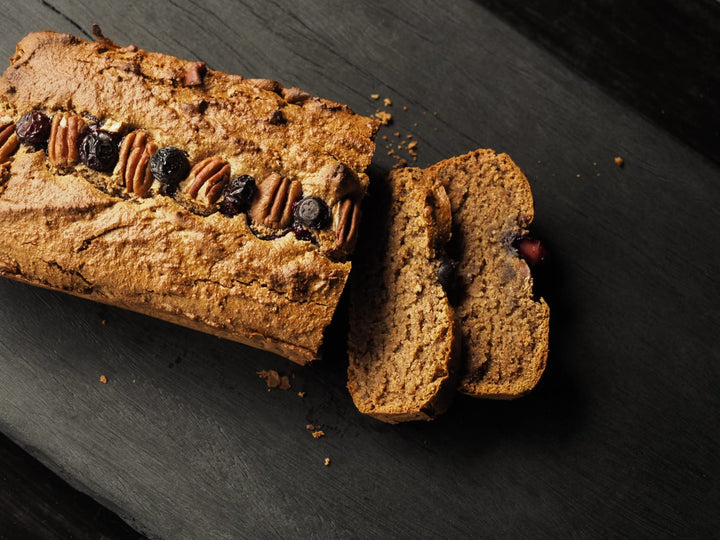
505	330
403	340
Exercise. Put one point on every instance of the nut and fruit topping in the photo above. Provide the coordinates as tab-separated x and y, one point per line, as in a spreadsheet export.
170	165
8	141
237	195
65	131
312	212
274	204
347	227
33	128
531	250
98	151
133	165
207	180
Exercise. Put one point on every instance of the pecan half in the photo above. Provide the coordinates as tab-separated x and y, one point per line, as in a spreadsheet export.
295	95
195	74
133	166
273	205
348	221
65	134
207	180
8	142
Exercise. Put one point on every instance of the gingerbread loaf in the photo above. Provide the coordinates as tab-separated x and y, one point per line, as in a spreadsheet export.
447	250
225	204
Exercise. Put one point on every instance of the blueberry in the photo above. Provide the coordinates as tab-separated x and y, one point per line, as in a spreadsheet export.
237	195
312	212
99	151
447	276
33	128
170	165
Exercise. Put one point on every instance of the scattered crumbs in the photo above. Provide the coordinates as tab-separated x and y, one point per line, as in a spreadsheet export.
274	380
103	379
412	145
387	102
434	113
384	137
409	136
539	161
415	124
384	117
405	109
397	133
577	175
309	427
391	152
375	96
594	163
301	394
619	161
133	381
317	434
327	461
598	174
103	322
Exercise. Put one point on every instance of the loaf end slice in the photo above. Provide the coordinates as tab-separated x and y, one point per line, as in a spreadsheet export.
505	329
403	340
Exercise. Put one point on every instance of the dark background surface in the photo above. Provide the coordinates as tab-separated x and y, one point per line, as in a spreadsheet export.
620	437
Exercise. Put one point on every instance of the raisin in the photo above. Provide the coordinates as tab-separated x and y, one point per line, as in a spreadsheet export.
170	165
237	195
99	151
33	128
312	212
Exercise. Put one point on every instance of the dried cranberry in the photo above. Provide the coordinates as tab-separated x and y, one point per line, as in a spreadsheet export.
33	128
99	151
237	195
170	165
312	212
302	233
531	250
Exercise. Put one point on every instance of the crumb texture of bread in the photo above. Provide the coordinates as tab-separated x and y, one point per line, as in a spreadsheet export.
73	228
403	339
505	329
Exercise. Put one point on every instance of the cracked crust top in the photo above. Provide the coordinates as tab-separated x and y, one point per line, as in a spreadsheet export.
64	229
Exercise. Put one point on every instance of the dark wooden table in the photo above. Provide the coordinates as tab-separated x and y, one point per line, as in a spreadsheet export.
621	436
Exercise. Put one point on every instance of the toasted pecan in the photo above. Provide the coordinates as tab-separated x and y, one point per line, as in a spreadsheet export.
65	133
348	221
8	142
133	166
207	180
273	205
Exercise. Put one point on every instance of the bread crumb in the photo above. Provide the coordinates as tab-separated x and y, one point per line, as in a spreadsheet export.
103	322
387	102
413	144
317	434
274	380
404	107
309	427
301	394
375	96
384	117
103	379
577	175
619	161
397	133
327	461
133	381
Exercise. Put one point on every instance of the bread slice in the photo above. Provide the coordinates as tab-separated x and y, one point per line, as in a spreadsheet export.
269	275
505	329
403	339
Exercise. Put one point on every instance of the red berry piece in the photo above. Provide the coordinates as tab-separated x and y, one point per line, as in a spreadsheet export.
531	250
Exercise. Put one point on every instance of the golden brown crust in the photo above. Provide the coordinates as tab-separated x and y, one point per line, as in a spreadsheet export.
116	238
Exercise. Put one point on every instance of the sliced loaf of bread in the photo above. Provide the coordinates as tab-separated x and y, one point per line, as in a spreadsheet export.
505	329
403	338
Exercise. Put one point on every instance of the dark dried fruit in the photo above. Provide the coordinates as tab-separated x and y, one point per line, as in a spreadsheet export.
312	212
531	250
237	195
448	278
99	151
33	128
170	165
302	234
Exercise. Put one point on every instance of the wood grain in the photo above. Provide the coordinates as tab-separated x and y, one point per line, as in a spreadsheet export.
619	439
